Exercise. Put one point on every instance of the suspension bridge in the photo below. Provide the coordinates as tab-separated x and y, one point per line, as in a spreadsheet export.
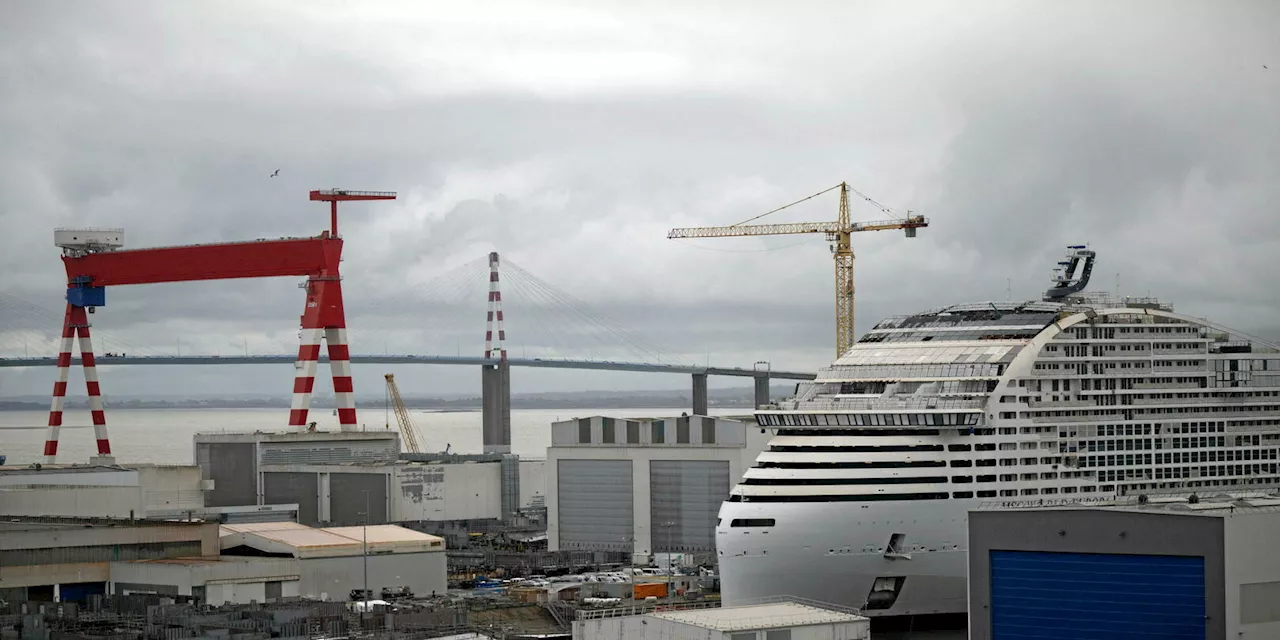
557	329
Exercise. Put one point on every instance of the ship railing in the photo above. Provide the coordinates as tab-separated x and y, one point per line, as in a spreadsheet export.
878	404
1060	404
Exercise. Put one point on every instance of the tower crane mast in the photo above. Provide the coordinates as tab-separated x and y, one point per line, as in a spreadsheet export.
838	232
408	432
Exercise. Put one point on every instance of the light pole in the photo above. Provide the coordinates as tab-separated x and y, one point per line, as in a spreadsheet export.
364	552
666	528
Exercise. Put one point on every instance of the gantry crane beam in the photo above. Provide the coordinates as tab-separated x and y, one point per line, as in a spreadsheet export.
838	232
408	432
189	263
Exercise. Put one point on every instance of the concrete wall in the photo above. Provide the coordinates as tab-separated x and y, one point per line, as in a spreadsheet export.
334	578
88	502
1093	531
1252	575
463	491
533	483
171	489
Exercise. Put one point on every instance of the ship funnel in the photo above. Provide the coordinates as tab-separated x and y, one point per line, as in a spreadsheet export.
1074	276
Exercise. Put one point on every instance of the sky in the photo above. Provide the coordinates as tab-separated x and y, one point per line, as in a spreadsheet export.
571	136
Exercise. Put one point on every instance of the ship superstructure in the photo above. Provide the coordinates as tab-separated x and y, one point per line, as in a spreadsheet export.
861	496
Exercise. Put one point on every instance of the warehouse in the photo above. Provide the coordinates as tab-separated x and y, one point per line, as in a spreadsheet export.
69	559
211	580
645	485
784	620
331	562
1180	566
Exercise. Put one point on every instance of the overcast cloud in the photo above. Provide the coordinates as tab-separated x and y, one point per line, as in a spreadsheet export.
570	136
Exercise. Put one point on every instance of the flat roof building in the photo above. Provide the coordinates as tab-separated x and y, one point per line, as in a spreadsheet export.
1163	567
331	561
782	620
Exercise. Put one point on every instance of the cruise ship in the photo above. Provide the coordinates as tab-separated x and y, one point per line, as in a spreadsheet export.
861	496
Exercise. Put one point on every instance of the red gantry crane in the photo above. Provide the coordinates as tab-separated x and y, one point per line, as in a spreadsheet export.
94	261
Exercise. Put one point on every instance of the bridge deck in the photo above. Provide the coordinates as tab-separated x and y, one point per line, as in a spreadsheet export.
601	365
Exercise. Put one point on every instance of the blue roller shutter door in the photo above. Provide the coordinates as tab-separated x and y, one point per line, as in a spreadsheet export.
1082	596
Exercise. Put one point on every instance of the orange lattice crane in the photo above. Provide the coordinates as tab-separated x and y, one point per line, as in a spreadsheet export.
837	232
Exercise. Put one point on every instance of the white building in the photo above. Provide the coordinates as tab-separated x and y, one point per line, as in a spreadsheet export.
331	561
1203	568
100	491
775	621
214	580
643	484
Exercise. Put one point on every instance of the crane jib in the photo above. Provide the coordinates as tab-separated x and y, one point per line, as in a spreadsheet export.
838	231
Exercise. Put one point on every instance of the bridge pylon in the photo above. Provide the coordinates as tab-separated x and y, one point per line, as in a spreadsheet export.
495	374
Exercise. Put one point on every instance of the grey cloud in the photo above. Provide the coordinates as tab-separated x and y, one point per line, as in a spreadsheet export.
1017	128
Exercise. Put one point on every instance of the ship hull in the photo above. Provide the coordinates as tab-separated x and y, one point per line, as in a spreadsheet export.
834	552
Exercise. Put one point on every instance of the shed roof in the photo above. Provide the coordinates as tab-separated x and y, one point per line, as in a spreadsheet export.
760	616
301	541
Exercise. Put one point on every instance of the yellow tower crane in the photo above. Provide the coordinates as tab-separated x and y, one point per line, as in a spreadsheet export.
408	432
837	232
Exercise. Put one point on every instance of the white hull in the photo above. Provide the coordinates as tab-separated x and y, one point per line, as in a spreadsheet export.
833	552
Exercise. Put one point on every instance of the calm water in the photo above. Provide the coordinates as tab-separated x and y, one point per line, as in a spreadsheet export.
164	436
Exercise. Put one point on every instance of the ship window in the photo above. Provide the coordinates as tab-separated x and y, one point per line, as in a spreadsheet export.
606	430
753	522
962	494
987	494
633	432
659	432
584	430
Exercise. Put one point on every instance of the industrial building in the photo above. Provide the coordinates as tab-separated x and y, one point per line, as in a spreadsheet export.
234	462
782	620
98	491
69	559
1163	566
331	476
214	581
645	485
331	562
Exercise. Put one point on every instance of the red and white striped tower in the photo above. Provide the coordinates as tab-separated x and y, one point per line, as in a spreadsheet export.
76	323
495	379
324	317
495	314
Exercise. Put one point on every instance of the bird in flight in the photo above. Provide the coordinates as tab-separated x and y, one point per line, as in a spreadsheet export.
274	173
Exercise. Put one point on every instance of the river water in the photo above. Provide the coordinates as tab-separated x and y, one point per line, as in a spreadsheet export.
164	436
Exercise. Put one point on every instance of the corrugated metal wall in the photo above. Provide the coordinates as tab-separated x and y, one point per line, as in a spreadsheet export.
595	504
290	487
684	498
1067	596
233	470
347	498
